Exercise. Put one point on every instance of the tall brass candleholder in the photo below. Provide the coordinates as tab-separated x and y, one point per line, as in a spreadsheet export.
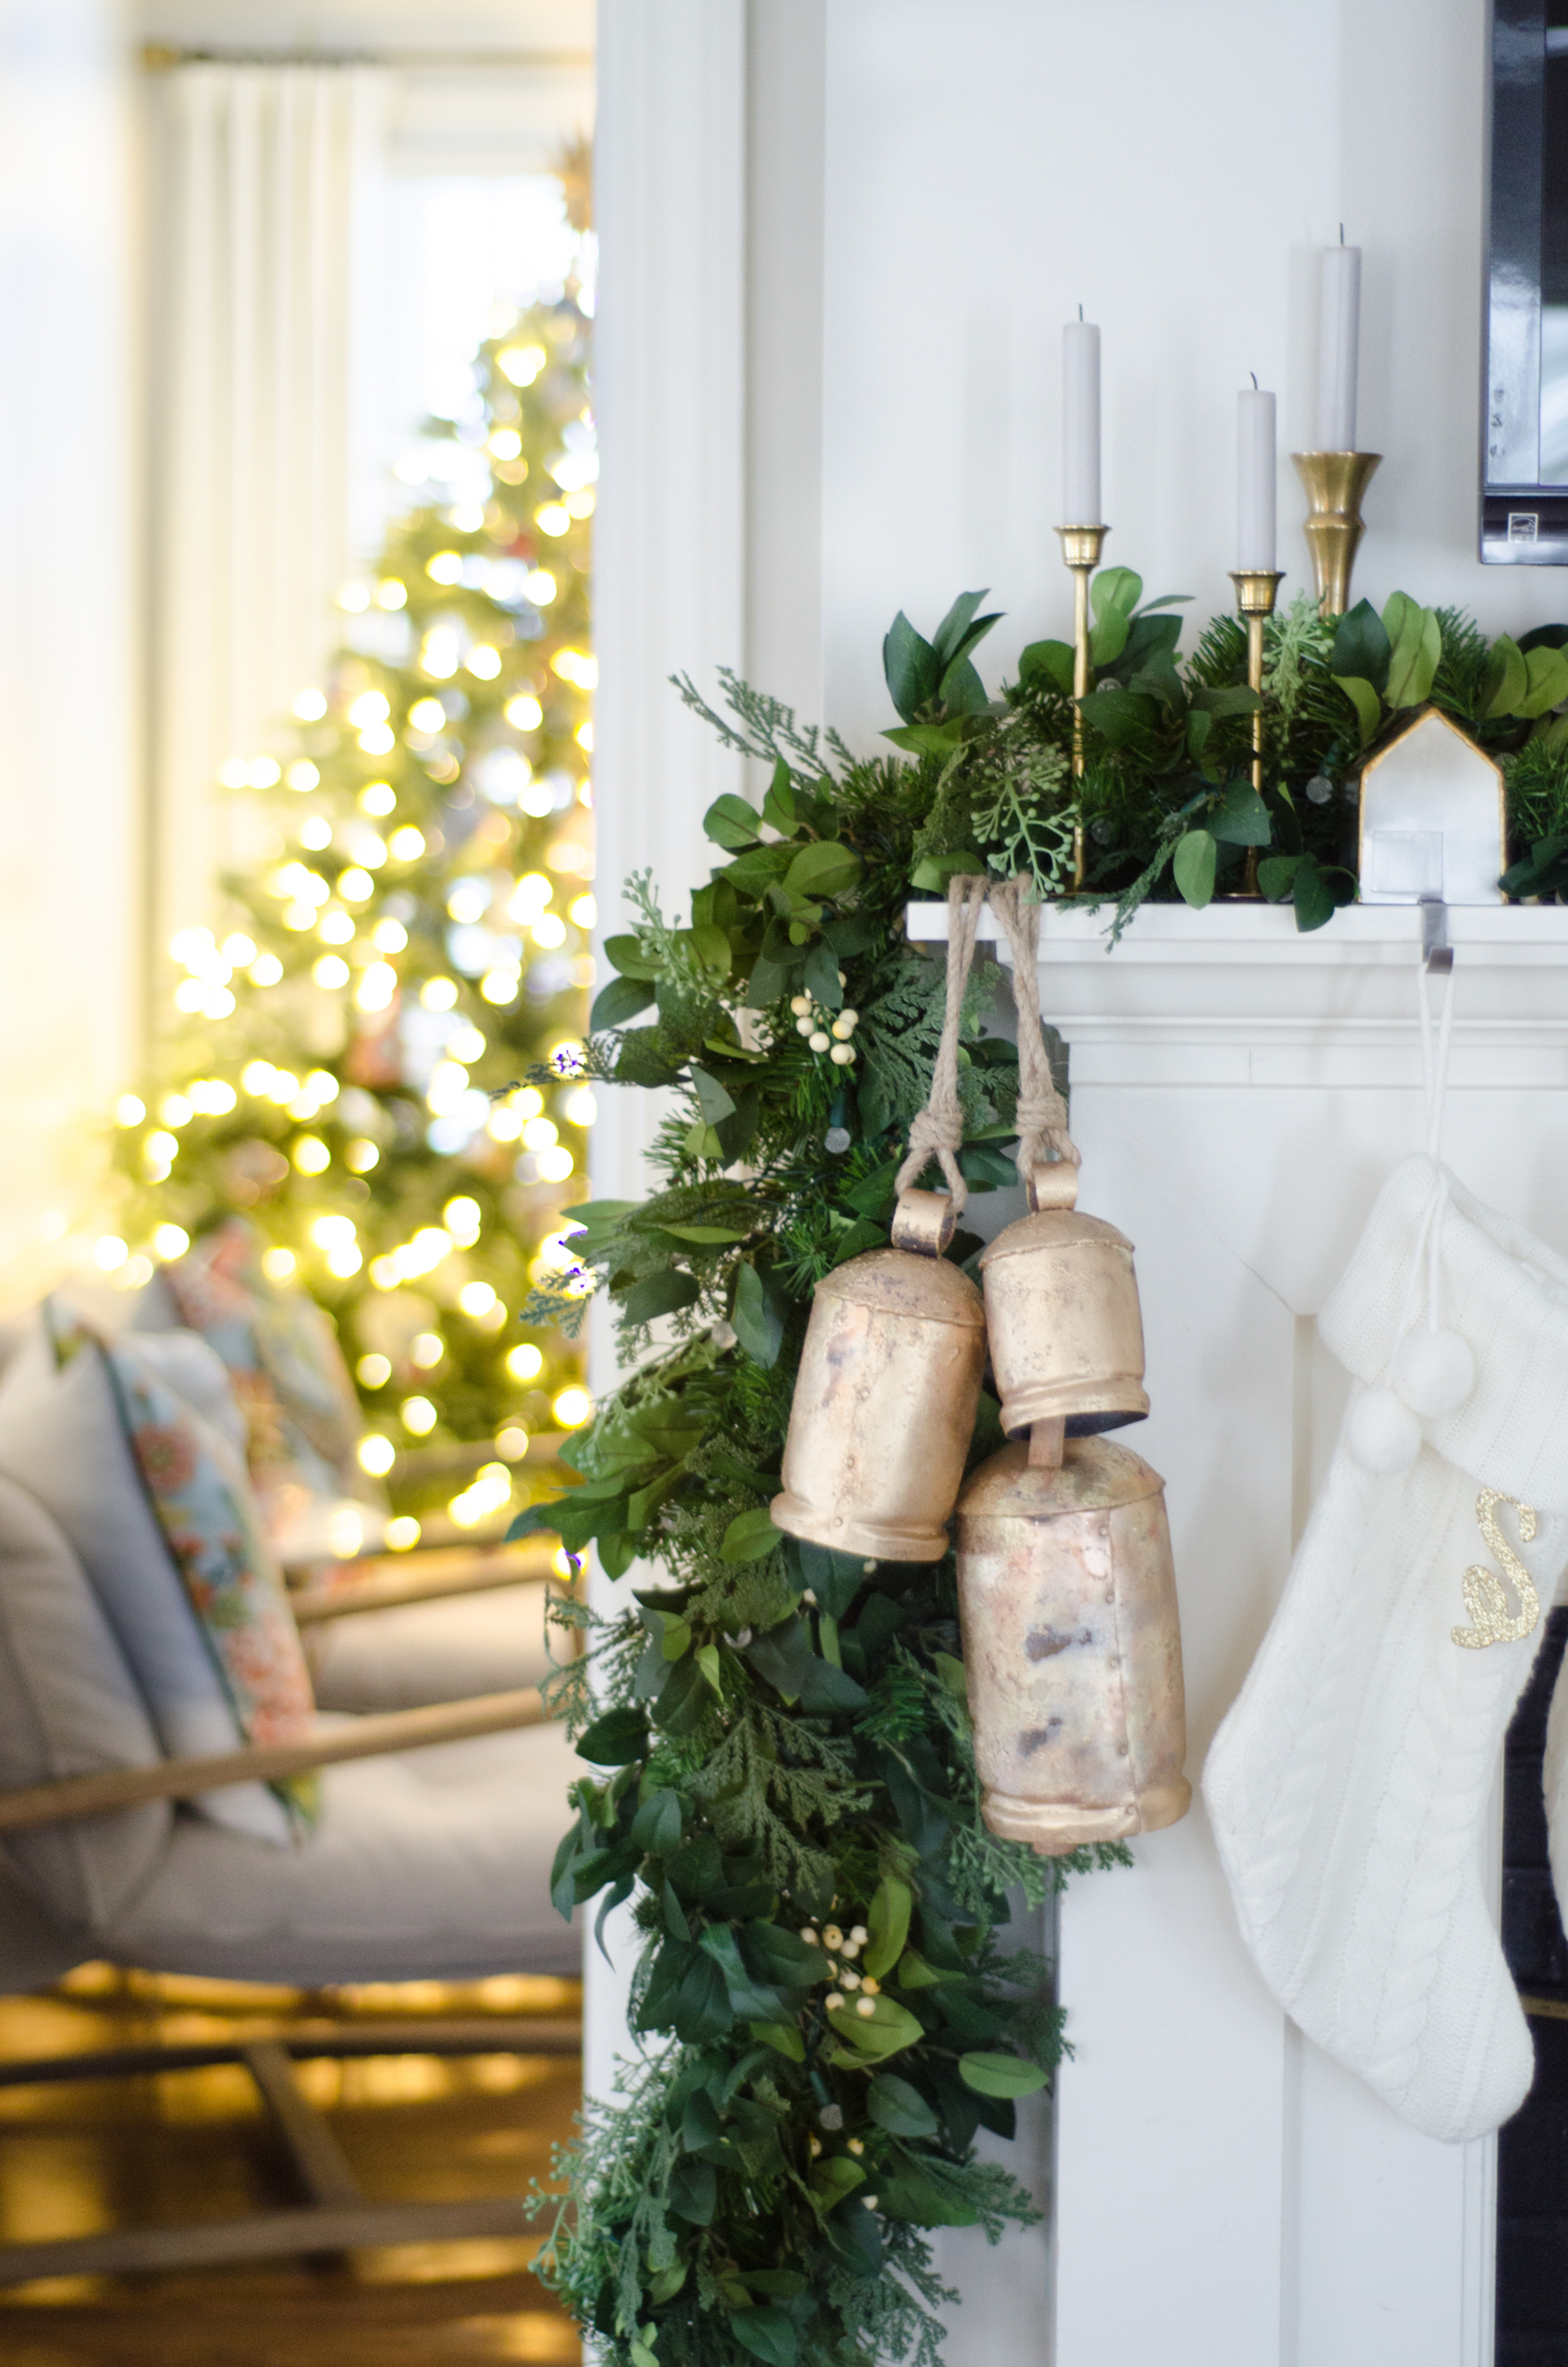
1081	548
1335	482
1256	590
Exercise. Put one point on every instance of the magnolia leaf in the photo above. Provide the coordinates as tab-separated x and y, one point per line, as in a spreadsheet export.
1116	591
782	2037
887	2030
887	1925
1363	698
768	2334
835	2176
704	1235
826	868
616	1739
1051	661
1417	647
749	1536
1506	679
758	1315
660	1294
1000	2074
1362	646
618	1001
626	954
934	871
1193	865
707	1660
1108	638
910	667
1241	818
901	2110
694	2189
1548	671
655	1828
1275	875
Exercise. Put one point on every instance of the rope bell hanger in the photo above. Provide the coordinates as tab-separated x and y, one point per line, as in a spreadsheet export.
889	1378
1066	1592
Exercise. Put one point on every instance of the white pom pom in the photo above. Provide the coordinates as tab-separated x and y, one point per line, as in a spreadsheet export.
1434	1371
1382	1434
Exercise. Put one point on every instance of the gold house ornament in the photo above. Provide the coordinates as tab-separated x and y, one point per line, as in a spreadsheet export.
1433	822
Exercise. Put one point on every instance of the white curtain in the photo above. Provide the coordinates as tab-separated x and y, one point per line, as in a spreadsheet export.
69	747
265	203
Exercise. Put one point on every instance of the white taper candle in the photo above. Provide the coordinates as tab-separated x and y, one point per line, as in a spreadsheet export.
1081	424
1254	479
1338	347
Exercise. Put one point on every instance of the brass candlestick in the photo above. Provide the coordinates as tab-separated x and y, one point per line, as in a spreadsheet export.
1335	482
1256	590
1081	548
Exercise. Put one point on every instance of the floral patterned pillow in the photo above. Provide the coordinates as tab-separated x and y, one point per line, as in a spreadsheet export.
210	1522
285	1367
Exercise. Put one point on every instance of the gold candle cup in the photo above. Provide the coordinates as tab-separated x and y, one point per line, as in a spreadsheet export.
1334	482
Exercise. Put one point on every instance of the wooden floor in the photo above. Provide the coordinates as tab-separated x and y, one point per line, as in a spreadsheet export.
195	2145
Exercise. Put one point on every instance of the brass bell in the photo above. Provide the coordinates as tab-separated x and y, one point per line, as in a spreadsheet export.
1072	1646
886	1397
1061	1310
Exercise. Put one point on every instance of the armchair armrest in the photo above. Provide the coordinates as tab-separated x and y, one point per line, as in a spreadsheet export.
176	1779
389	1580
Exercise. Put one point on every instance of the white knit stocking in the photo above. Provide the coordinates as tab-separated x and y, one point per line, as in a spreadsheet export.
1348	1785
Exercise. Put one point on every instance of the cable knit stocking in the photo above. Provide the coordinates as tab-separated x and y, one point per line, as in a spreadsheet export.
1349	1783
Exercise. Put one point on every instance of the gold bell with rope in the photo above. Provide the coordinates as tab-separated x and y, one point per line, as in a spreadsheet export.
889	1378
1067	1591
1072	1646
885	1397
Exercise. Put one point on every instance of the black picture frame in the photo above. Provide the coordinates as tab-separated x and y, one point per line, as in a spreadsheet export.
1524	520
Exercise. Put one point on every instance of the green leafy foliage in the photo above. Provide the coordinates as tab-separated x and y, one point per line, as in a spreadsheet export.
778	1769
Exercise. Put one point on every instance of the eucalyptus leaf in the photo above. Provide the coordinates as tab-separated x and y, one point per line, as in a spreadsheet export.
749	1536
1193	865
618	1001
757	1315
826	868
731	822
894	2105
1000	2074
1363	698
1506	681
661	1294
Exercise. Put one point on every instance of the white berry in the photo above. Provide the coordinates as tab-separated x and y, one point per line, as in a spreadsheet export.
806	1026
843	1025
835	2002
841	1054
832	1937
860	1935
867	2005
808	1935
819	1039
799	1005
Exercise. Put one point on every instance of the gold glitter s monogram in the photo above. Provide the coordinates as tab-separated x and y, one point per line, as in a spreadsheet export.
1485	1597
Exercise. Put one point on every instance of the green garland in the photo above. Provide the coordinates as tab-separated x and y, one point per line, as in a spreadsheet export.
788	1791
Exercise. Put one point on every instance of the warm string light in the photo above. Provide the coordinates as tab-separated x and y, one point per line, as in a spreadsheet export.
425	924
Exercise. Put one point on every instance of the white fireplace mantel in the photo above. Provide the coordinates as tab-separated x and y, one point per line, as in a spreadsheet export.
1228	2197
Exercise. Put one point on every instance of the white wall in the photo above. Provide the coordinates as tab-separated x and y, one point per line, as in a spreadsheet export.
69	759
1172	164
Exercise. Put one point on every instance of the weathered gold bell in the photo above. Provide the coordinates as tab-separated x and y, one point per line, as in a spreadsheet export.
886	1397
1062	1311
1072	1646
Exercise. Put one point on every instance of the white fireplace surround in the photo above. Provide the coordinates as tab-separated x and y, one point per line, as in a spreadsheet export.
1238	1093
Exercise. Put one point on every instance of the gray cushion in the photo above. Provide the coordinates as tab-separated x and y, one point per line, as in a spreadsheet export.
431	1651
432	1866
68	1707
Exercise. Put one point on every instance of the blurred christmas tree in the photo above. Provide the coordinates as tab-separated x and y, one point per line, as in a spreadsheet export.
415	939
